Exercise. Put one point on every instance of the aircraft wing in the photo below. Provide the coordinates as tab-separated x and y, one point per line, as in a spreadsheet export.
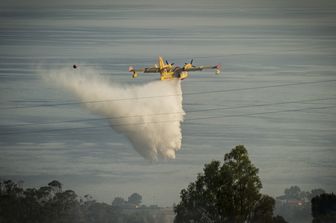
151	70
144	70
199	68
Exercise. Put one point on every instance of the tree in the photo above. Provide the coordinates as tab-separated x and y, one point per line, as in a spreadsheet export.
279	219
293	192
135	198
51	204
227	193
56	186
263	211
10	205
118	202
324	208
316	192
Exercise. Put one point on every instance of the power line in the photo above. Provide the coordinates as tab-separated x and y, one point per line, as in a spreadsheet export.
91	102
176	113
169	121
173	95
263	113
260	87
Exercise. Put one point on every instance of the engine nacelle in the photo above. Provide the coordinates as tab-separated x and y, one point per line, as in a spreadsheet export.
218	69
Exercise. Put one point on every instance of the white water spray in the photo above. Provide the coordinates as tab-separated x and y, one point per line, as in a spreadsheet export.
149	115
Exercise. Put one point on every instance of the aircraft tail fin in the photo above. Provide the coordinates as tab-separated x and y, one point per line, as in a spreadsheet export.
161	63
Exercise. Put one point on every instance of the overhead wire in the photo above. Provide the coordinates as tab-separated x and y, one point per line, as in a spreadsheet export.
173	95
170	113
188	111
166	121
172	120
265	112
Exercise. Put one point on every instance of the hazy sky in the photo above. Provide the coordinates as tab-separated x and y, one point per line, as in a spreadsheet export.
191	3
276	94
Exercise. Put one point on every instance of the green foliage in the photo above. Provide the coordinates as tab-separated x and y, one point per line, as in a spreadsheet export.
118	202
279	219
55	186
316	192
51	204
135	198
263	211
226	193
324	208
32	205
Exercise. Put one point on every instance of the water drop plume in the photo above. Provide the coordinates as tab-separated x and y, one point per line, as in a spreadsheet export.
149	115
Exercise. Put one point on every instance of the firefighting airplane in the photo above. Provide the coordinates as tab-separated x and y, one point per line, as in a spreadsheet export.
168	71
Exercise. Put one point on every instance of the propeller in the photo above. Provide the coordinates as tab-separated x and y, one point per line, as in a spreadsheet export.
169	63
191	62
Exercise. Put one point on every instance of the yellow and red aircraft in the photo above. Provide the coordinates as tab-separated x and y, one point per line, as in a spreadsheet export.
169	71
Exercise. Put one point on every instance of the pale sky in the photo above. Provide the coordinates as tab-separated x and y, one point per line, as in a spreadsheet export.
276	94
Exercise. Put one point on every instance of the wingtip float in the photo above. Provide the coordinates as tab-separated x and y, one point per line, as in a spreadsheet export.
168	71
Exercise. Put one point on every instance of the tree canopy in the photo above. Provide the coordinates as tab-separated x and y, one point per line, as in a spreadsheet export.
118	202
226	193
135	198
51	204
324	208
46	204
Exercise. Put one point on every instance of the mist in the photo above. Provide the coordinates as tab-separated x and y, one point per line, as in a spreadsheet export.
149	115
